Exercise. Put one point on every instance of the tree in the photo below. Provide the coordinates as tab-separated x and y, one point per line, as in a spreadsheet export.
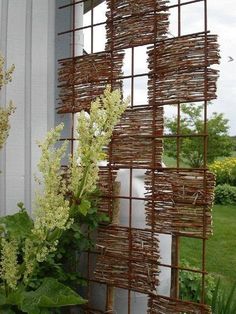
192	147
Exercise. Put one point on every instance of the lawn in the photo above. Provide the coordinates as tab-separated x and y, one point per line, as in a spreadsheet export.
221	247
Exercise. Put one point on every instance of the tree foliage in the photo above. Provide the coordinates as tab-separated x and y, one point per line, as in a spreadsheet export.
192	147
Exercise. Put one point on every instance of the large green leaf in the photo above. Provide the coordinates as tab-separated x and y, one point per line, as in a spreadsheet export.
2	297
50	294
18	225
84	206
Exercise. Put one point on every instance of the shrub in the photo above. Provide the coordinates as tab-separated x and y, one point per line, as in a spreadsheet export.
225	194
225	170
191	283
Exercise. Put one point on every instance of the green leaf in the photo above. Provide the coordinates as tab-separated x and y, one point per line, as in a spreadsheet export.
84	206
18	226
2	298
50	294
54	235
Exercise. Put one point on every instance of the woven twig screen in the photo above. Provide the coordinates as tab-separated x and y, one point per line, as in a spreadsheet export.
177	200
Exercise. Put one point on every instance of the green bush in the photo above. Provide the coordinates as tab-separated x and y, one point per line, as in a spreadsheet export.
191	283
225	194
225	171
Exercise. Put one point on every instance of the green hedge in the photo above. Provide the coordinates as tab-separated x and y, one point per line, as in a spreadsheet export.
225	171
225	194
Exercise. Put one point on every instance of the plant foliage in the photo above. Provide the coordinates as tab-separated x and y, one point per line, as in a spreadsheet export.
191	283
225	171
38	265
192	148
225	194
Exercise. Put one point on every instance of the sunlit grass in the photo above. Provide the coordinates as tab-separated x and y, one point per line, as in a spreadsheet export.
221	247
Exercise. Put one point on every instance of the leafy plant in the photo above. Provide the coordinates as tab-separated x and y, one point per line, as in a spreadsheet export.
190	285
36	272
225	170
222	302
191	148
5	78
225	194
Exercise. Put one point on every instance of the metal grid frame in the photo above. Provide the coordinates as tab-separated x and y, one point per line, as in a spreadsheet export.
175	263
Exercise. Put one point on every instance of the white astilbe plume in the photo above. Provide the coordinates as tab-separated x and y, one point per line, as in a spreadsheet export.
5	75
94	132
9	268
52	210
4	123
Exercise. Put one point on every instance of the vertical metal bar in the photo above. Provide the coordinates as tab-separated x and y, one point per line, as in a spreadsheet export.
154	115
205	155
175	239
110	297
131	189
92	27
110	177
73	100
73	91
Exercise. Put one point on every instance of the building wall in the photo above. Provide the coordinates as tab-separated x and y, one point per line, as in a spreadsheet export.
27	39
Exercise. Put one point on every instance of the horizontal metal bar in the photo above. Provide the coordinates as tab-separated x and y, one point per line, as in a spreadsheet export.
150	45
81	28
169	7
177	169
136	136
123	77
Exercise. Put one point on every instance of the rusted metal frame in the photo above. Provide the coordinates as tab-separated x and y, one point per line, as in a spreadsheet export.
108	80
146	136
89	253
72	115
171	6
140	45
145	44
115	167
78	2
197	271
137	14
162	296
148	198
150	136
73	88
131	189
115	221
143	13
182	235
110	186
154	113
184	3
141	106
175	246
205	155
176	302
72	4
92	26
81	28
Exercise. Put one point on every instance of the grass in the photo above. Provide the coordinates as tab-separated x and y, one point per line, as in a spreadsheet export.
171	162
221	247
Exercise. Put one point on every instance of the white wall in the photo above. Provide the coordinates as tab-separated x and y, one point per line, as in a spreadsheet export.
27	39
